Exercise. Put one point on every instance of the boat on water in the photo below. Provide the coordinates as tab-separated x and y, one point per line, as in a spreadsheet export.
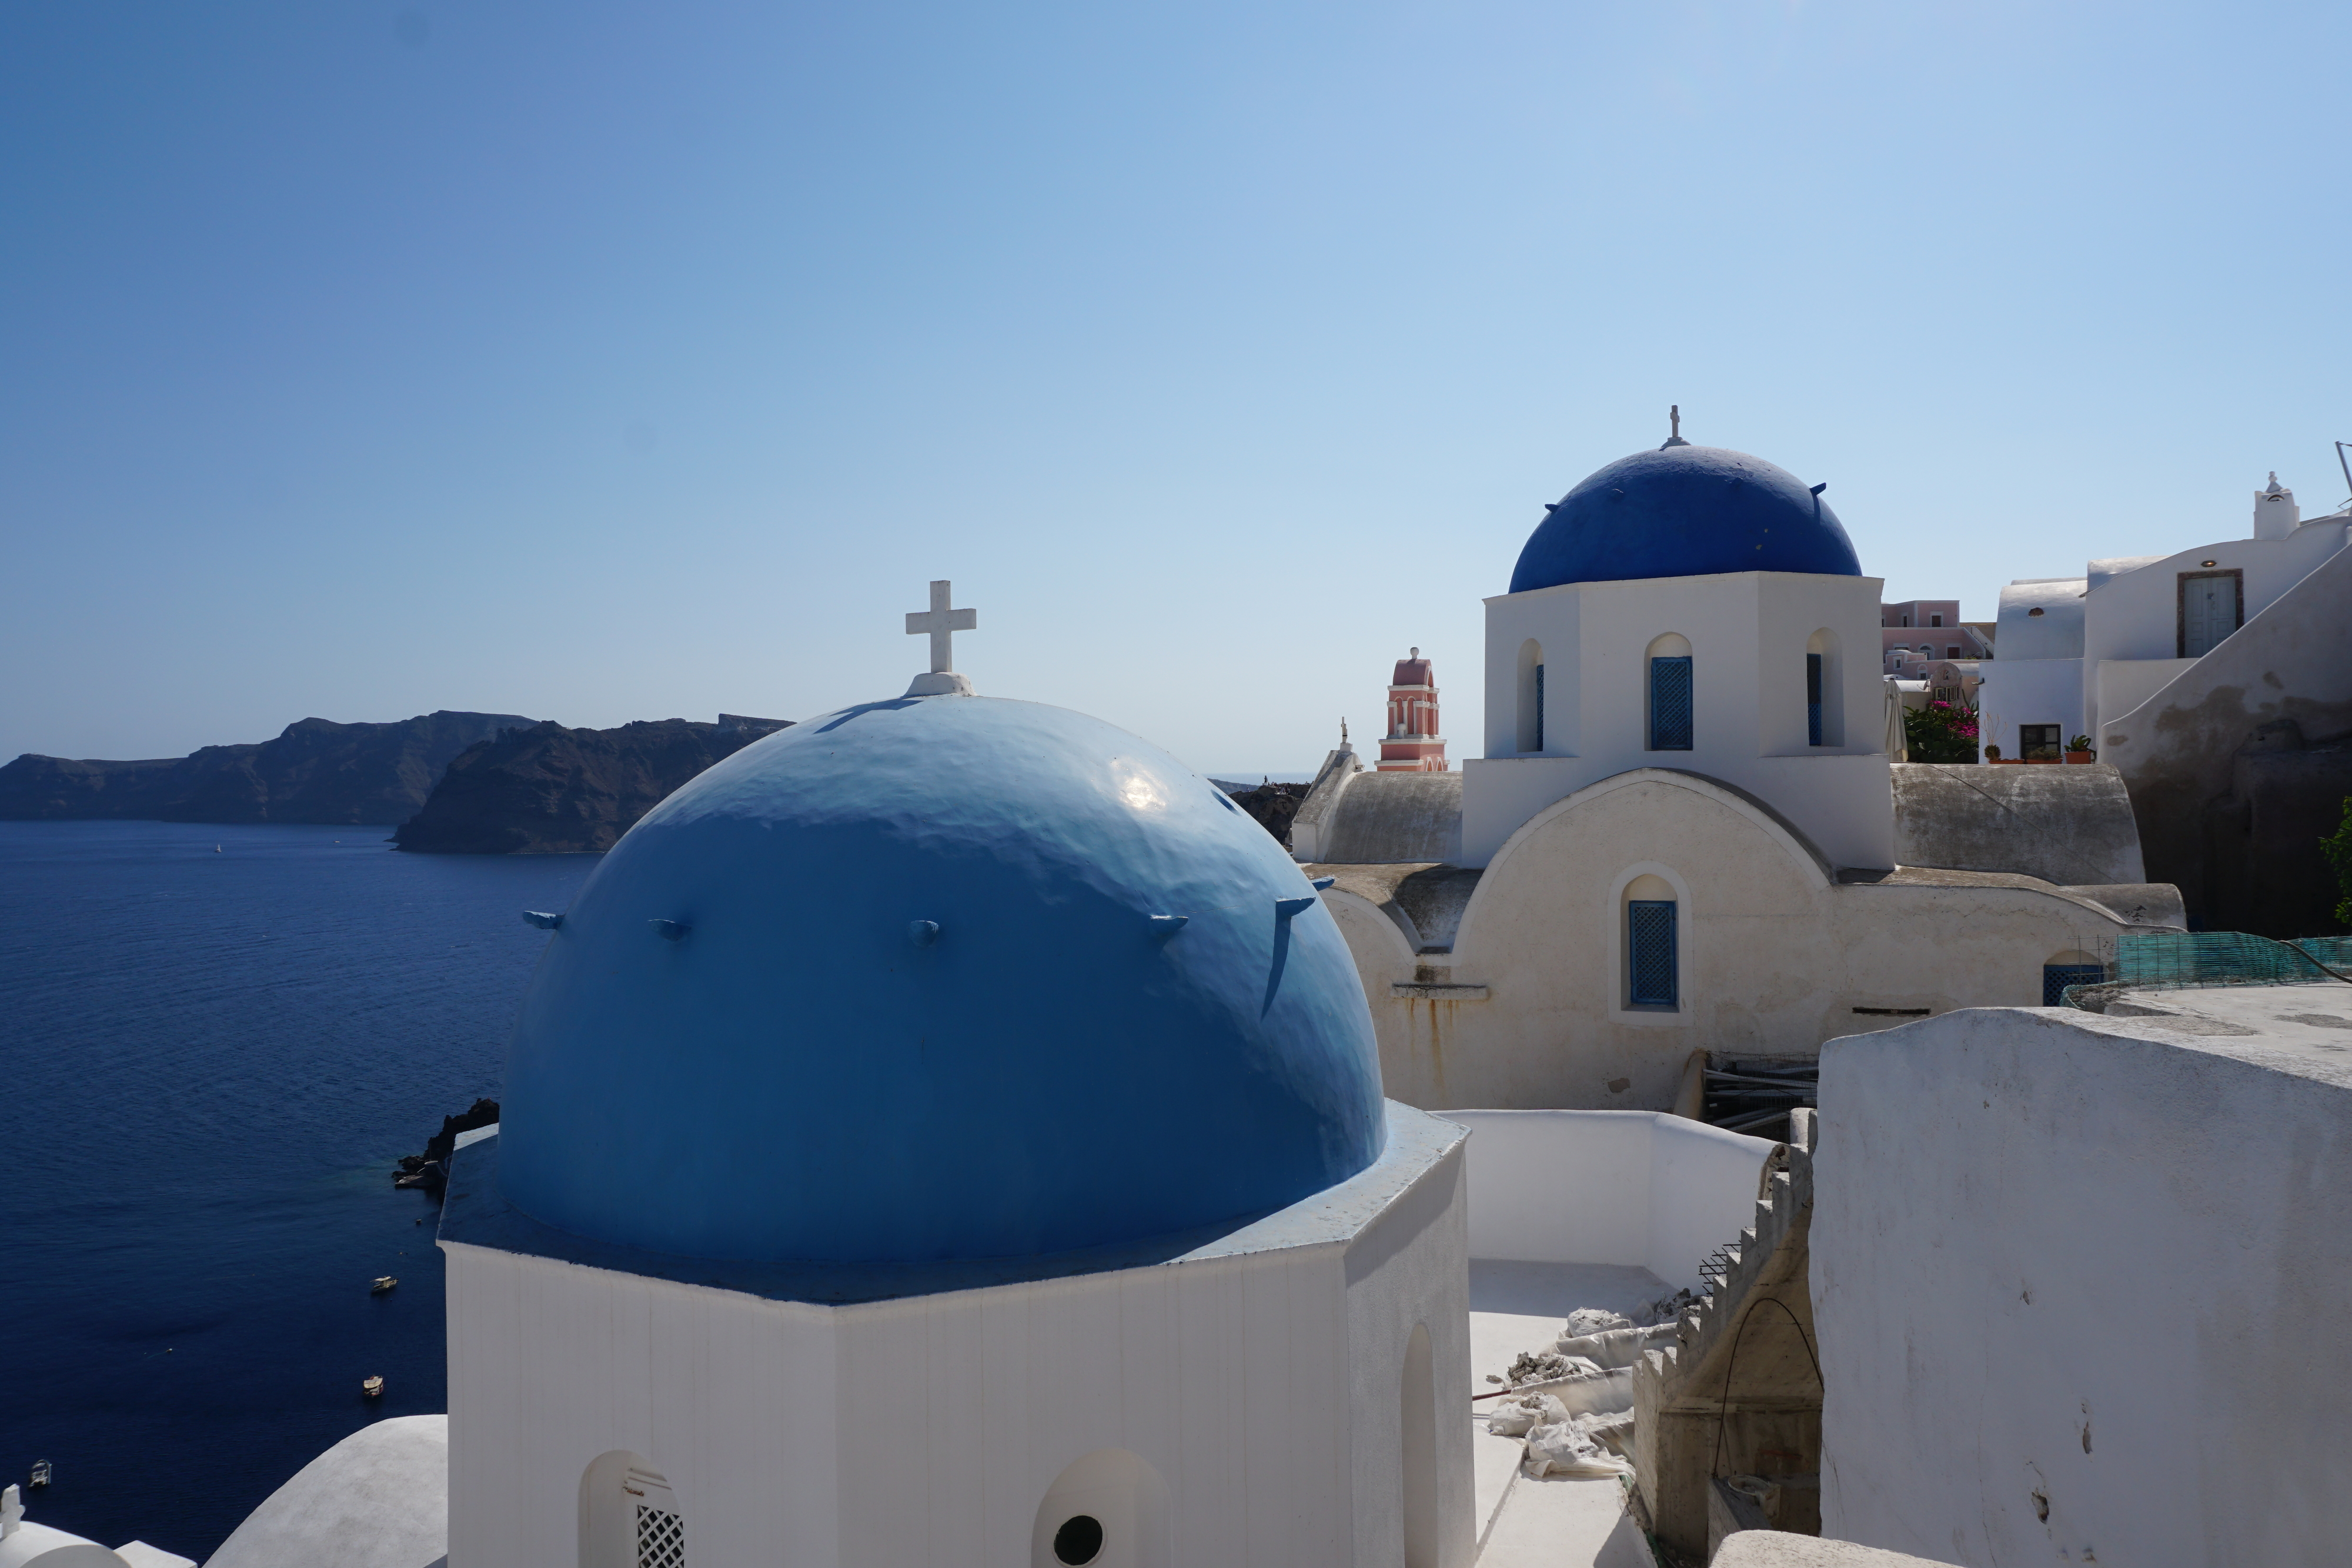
383	1283
372	1388
40	1476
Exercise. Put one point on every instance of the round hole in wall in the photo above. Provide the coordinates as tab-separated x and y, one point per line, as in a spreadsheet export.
1080	1540
2205	563
2035	611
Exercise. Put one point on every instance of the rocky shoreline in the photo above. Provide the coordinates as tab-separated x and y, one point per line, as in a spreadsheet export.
429	1172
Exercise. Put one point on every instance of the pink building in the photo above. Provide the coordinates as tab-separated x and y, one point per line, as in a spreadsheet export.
1922	632
1414	743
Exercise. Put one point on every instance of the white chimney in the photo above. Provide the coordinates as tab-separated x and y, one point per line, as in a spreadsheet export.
2275	513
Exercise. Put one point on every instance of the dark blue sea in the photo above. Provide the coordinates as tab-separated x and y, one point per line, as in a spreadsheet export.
208	1063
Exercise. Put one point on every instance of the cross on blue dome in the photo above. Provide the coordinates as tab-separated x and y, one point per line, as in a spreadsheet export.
945	978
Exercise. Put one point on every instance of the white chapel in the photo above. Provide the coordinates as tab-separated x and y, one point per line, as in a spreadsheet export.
1687	834
947	1132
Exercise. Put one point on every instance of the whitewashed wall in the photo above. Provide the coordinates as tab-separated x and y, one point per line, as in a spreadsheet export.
378	1498
2082	1291
2136	614
1637	1188
36	1545
2015	692
2020	637
2120	685
1775	955
1263	1390
1748	633
2106	643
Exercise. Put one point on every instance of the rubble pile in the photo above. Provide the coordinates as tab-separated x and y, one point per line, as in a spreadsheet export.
1572	1403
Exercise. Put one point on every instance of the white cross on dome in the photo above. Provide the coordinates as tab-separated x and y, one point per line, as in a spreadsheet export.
940	624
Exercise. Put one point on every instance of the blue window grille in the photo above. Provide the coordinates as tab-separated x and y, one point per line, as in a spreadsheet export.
1812	699
1649	950
1670	704
2056	978
1540	670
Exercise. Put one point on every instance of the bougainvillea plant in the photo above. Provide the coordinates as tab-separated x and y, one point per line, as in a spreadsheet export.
1940	732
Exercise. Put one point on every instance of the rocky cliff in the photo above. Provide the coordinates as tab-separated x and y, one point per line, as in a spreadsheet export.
548	789
315	772
1273	805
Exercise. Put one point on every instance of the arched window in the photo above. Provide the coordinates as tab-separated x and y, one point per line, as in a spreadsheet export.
2073	967
1108	1509
1417	1410
1670	694
1653	956
1824	691
1531	697
629	1517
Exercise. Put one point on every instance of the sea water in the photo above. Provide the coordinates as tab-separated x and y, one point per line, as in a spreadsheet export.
209	1062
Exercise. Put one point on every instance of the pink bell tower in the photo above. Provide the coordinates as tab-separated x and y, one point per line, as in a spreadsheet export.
1412	744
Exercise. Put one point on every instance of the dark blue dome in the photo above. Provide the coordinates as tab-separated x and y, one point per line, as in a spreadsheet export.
940	977
1685	511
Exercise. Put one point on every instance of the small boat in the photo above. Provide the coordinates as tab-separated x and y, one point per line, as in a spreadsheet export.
40	1472
372	1388
383	1283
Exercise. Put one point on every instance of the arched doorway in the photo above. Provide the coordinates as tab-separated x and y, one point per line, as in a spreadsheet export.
2071	968
1417	1416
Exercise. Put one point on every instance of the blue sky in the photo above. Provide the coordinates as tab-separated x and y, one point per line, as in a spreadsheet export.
609	362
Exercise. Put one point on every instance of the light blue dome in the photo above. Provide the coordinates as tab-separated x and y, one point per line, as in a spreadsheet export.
1685	511
795	1067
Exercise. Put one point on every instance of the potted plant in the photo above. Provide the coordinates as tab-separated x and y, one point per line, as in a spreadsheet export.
2078	750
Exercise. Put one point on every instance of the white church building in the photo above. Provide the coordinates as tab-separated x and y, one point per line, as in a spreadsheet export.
1687	833
950	1132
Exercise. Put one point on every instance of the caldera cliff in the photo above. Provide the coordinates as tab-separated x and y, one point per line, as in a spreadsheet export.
551	790
315	772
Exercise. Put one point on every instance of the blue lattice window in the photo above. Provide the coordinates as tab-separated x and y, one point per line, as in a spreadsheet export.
1812	699
1670	704
2056	978
1650	951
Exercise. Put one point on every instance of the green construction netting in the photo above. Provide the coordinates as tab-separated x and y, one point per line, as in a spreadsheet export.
2222	959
